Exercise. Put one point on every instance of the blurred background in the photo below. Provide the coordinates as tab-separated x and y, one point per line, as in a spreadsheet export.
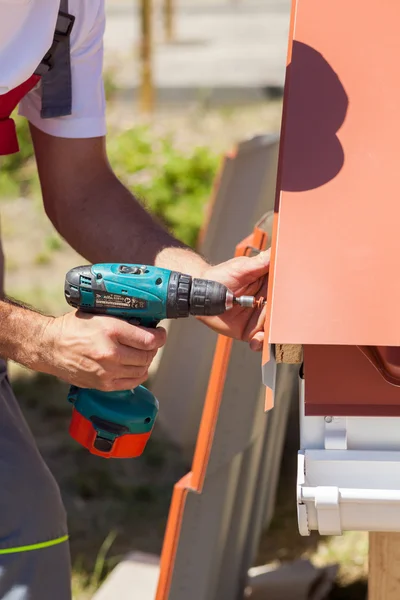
185	81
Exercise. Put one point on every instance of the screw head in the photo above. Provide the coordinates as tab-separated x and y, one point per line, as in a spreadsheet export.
328	419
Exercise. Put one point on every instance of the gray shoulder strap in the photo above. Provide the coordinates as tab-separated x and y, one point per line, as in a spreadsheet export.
55	69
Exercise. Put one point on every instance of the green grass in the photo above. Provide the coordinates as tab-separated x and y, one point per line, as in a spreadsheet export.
42	258
84	585
350	551
53	243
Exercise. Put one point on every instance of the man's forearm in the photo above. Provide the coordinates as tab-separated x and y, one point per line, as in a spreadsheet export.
21	331
107	224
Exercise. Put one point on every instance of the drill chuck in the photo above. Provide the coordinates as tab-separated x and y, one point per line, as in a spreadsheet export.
208	298
197	297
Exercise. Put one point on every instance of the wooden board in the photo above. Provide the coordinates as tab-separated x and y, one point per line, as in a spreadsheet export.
291	354
384	566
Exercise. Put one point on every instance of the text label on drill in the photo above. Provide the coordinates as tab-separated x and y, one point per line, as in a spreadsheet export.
118	301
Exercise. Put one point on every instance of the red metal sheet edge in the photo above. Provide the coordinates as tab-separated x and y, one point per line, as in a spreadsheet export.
342	381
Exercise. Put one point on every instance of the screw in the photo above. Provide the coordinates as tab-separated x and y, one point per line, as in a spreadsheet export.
328	419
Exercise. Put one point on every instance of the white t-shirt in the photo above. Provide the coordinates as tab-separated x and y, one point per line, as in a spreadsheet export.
88	101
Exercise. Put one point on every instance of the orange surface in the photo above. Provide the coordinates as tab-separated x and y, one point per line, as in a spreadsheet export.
171	537
335	270
195	479
125	446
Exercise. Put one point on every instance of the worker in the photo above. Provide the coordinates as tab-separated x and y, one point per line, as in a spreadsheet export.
51	56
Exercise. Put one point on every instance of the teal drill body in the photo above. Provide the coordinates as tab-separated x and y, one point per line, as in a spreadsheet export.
132	292
118	424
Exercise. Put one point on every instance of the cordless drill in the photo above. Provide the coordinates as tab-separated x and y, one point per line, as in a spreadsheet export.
119	424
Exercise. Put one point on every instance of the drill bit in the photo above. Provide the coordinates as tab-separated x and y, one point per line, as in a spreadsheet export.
250	302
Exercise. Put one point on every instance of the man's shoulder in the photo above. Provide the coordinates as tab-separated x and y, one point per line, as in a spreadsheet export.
87	118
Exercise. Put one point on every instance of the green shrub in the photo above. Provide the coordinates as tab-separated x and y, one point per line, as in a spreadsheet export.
131	151
173	184
17	173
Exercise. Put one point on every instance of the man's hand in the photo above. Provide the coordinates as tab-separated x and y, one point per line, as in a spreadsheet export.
243	276
99	352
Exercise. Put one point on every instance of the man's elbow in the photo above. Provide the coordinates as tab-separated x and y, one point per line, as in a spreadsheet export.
60	210
50	208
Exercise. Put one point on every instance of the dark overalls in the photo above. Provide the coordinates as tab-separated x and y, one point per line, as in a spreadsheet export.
34	549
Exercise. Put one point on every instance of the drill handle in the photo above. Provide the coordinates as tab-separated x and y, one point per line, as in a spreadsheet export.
148	322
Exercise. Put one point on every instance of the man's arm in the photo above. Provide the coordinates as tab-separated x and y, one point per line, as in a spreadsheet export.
103	221
20	329
96	214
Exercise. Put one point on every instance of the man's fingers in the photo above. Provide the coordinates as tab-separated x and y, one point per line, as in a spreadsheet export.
119	385
134	372
257	341
255	327
134	357
242	274
140	337
252	267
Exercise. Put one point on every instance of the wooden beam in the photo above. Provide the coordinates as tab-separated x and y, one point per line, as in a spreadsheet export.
384	566
146	57
169	20
289	353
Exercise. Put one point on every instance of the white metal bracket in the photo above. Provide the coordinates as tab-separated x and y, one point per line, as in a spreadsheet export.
269	369
335	433
302	516
348	474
